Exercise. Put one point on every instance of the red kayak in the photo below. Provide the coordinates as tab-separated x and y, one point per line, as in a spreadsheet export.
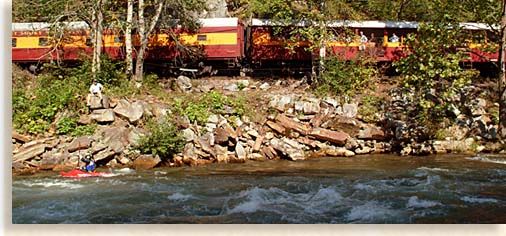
83	174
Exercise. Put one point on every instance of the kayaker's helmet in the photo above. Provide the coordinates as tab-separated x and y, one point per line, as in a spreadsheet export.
87	156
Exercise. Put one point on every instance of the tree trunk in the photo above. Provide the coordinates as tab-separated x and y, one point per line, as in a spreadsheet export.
502	74
144	36
97	29
128	39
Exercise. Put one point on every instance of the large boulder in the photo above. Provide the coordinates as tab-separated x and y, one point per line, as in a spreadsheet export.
131	111
335	137
372	133
19	137
184	84
190	154
146	162
50	160
102	115
95	102
160	110
292	149
281	102
240	152
25	154
135	135
82	142
350	110
104	155
116	138
221	153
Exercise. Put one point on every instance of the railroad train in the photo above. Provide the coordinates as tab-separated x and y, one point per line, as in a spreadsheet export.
235	44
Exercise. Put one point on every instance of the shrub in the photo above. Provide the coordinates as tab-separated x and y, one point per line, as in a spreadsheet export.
163	140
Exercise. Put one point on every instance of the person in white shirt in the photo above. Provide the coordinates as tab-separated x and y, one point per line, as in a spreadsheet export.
394	38
362	41
95	90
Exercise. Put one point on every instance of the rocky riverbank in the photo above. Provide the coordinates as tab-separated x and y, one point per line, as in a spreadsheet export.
296	126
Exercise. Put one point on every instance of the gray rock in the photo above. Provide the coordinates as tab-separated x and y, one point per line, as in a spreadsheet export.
184	84
331	101
221	153
124	160
95	102
240	151
213	119
25	154
102	115
311	107
82	142
116	138
105	154
350	110
189	135
231	87
131	112
135	136
190	154
265	86
291	149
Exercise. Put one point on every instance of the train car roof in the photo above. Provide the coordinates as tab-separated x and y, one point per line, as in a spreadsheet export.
76	25
32	26
364	24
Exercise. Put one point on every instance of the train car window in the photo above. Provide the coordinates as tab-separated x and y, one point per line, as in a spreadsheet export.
201	37
478	37
492	37
118	39
88	42
42	41
14	42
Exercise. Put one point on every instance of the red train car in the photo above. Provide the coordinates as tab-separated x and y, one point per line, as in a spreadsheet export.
269	41
219	39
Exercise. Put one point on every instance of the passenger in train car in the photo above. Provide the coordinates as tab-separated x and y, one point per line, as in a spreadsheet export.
362	41
394	38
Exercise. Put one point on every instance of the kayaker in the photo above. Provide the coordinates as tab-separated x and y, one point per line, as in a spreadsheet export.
90	163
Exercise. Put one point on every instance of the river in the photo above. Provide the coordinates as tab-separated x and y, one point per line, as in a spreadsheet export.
362	189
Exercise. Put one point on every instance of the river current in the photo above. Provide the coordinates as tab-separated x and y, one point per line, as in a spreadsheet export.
363	189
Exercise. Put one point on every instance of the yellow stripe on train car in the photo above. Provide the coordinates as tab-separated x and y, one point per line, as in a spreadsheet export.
29	42
114	41
210	39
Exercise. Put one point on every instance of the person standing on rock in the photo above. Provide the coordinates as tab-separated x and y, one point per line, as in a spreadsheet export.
95	90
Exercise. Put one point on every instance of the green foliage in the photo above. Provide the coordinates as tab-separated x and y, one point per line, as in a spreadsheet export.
69	125
33	112
369	107
111	71
494	111
431	69
57	88
163	140
345	78
199	109
66	125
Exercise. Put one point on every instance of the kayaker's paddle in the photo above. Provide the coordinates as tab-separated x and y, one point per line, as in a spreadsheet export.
79	154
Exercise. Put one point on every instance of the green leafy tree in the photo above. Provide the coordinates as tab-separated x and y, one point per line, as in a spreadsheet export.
431	69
